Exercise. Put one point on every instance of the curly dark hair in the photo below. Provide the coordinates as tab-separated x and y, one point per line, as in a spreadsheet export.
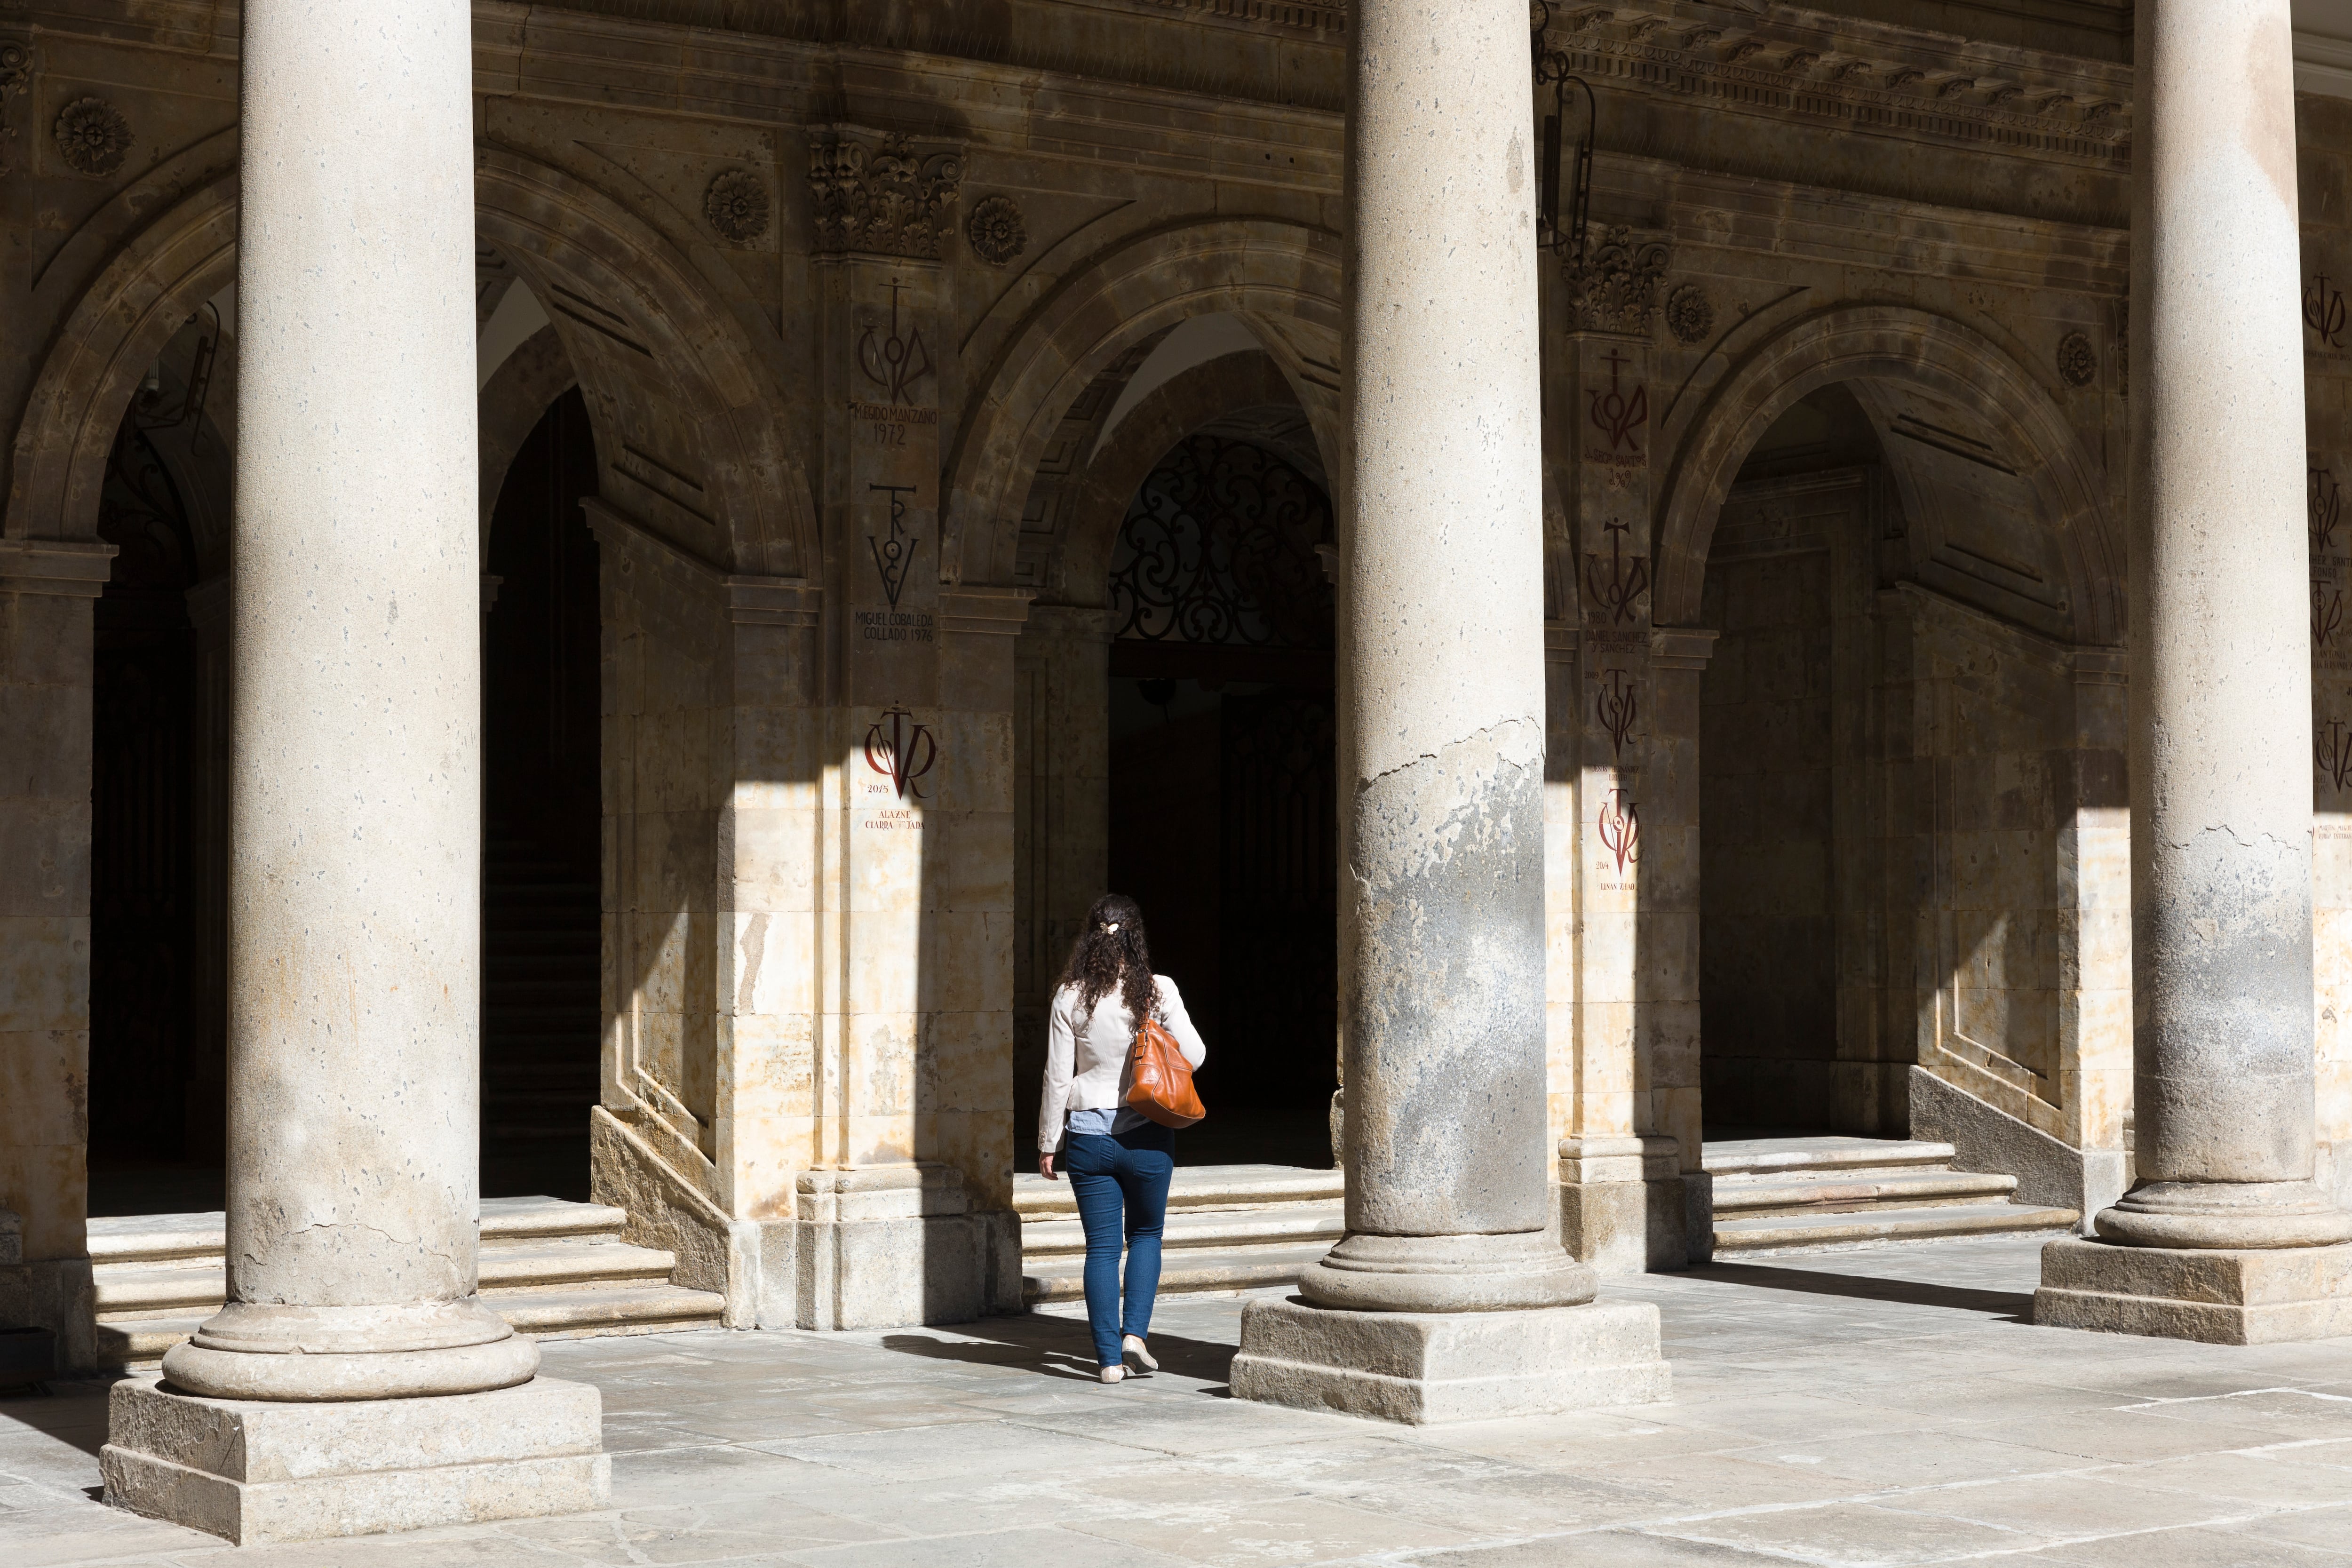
1102	960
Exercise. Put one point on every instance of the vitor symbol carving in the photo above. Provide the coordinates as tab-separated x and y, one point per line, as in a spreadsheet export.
2332	749
898	360
2326	505
2323	310
1620	826
92	136
1617	706
893	556
1617	414
901	750
2326	613
1626	581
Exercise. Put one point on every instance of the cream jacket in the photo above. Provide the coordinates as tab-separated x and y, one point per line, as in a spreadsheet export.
1086	1060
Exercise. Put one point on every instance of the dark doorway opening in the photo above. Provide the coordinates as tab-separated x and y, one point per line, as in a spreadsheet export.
155	1112
1222	792
542	839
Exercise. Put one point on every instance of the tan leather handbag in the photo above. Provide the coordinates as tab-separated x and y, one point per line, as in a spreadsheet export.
1160	1080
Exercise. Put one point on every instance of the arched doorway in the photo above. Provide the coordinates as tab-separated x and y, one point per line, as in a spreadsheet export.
1914	883
1221	782
542	847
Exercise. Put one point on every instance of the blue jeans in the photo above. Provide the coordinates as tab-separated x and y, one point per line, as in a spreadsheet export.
1127	1171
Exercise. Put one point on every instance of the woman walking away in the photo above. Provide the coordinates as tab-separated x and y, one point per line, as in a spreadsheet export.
1116	1158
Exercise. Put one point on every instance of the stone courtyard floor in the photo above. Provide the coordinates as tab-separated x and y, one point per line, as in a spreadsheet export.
1883	1406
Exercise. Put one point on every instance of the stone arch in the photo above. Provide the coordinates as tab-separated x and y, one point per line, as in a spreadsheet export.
1905	347
1280	277
696	418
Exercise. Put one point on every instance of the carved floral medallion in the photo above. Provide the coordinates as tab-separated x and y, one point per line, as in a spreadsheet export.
995	231
92	136
2077	362
736	206
1690	314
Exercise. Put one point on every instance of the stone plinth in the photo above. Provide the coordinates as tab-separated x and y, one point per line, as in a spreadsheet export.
261	1471
2240	1296
1424	1368
1622	1205
894	1244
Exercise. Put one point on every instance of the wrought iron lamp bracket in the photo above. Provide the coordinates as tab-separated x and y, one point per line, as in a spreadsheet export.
1563	239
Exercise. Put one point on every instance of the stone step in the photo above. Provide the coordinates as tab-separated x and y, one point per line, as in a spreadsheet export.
1740	1156
1776	1192
1197	1187
551	1267
1870	1228
1295	1224
1181	1273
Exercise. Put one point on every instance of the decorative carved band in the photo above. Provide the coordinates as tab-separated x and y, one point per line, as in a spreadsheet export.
888	199
1615	289
68	568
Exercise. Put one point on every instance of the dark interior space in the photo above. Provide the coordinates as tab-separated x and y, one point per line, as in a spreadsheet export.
156	1114
1221	782
1768	939
541	842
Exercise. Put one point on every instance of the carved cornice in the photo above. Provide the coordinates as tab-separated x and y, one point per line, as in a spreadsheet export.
1868	76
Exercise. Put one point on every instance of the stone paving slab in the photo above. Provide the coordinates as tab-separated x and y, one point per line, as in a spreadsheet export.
1883	1407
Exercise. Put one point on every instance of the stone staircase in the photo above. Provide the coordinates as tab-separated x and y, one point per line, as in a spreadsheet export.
1800	1195
556	1270
1230	1227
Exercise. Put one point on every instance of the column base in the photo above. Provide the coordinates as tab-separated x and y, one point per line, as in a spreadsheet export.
1507	1272
2245	1296
2225	1215
256	1471
1424	1368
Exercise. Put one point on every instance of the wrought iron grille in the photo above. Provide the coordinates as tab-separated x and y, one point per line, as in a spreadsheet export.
1219	546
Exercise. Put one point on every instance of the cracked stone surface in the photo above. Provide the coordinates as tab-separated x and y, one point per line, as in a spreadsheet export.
1882	1406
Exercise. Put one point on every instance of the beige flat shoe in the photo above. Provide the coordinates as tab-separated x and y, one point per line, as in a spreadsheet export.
1113	1374
1133	1345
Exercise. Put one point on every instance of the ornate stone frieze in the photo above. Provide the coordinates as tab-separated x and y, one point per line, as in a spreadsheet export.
892	199
15	75
92	136
1615	290
736	206
1885	76
994	230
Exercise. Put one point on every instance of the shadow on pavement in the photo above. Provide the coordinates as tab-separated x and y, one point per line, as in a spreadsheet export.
1055	1347
2008	1305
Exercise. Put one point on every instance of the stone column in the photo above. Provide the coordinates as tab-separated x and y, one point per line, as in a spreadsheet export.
353	1350
1450	1298
2224	1237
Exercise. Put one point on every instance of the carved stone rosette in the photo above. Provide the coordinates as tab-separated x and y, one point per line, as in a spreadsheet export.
893	199
1690	314
994	230
92	136
2077	363
736	206
1615	290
